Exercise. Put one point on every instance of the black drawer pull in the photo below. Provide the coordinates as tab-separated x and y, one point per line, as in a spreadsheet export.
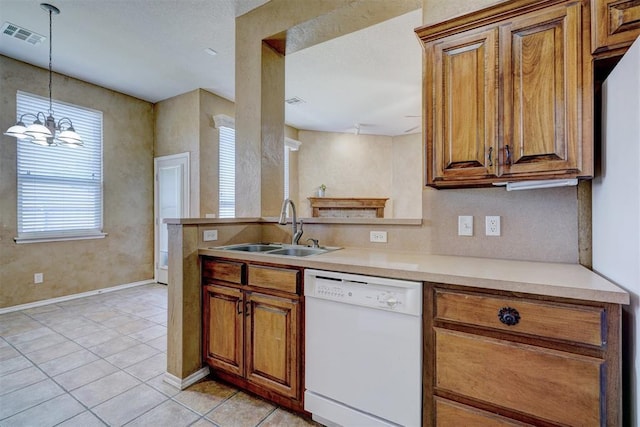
509	316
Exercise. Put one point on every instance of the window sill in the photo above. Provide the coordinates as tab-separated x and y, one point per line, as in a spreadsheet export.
22	240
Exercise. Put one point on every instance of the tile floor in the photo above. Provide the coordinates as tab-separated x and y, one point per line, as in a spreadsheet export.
100	360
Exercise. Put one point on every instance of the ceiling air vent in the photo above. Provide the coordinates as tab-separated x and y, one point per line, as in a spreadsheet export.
15	31
294	101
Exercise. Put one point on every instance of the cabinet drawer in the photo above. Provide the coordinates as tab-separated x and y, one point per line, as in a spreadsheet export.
227	271
453	414
280	279
614	24
552	385
568	322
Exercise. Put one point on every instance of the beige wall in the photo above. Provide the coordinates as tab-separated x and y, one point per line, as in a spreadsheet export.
177	131
362	166
185	123
126	254
434	11
406	176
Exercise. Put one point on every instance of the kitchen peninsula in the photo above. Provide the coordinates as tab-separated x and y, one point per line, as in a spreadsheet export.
554	299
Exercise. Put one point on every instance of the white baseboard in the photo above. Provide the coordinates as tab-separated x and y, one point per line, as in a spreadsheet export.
183	383
73	296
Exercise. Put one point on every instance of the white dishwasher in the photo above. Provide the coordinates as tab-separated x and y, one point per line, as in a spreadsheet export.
363	350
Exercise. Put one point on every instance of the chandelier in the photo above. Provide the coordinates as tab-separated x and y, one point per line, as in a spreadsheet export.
45	130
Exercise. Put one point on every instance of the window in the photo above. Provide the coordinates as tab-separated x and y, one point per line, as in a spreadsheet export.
227	166
289	146
60	188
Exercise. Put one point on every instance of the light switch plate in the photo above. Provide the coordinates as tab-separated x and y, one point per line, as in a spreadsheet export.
465	225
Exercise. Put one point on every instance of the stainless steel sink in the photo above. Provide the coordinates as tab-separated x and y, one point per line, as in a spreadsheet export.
251	247
299	251
278	249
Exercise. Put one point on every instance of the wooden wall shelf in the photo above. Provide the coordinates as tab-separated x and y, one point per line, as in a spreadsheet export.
321	205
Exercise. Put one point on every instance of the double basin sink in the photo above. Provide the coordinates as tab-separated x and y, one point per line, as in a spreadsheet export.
278	249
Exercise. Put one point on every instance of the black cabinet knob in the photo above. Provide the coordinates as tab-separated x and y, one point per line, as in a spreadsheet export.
509	316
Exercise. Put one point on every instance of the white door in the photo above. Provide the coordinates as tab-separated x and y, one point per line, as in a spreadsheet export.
171	200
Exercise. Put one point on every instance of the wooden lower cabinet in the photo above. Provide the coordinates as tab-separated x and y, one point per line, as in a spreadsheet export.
498	358
272	352
223	326
252	335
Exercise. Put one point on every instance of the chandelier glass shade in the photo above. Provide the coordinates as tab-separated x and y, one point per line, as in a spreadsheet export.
45	130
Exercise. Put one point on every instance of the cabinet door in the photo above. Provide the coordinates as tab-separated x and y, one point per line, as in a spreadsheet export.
541	62
272	343
461	106
223	328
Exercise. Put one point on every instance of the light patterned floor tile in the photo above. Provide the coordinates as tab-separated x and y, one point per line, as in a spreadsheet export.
7	353
149	368
113	346
40	343
68	362
281	417
84	375
53	352
159	384
151	333
46	414
19	379
131	355
129	405
169	413
134	326
105	388
241	410
96	339
204	396
159	343
14	364
31	335
25	398
84	419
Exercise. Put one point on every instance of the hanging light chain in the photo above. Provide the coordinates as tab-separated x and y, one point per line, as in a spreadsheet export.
50	60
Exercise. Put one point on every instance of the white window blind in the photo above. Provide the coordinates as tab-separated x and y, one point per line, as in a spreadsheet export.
289	146
287	150
227	171
60	188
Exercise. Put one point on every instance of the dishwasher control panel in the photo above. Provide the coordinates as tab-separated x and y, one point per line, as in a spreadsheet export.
375	292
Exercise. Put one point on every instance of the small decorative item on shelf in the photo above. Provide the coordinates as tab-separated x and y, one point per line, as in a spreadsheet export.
321	190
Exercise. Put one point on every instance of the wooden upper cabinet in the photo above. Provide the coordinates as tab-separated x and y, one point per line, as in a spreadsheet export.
615	24
507	94
463	109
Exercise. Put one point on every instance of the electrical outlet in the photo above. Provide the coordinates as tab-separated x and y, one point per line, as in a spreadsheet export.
492	225
378	236
210	235
38	278
465	225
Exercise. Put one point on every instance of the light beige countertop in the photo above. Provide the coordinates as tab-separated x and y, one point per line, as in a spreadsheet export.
539	278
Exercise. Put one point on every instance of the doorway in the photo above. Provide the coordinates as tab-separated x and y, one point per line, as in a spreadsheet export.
171	200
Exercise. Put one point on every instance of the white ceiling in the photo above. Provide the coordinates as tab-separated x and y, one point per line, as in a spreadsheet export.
155	49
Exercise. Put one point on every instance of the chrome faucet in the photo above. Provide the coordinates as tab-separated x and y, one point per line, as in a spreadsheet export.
296	234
